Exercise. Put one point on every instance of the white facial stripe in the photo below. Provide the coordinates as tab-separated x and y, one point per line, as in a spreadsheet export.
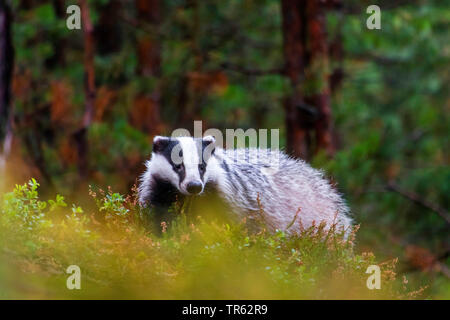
191	161
190	158
190	154
164	169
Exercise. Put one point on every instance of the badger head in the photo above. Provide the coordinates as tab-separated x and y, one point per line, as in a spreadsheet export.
182	161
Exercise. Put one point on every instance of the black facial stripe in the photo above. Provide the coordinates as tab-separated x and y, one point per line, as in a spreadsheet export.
202	155
202	172
167	153
201	146
181	173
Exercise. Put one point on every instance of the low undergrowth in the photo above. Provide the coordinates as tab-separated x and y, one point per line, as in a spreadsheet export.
192	258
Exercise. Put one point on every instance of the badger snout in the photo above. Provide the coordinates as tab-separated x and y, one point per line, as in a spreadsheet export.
194	187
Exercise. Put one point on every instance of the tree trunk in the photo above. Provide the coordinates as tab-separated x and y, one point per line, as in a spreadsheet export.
6	66
336	55
306	65
318	76
148	47
149	64
108	29
80	135
294	33
6	69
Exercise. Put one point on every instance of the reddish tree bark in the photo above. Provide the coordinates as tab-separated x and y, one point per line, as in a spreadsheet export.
306	56
89	84
148	48
149	64
6	69
294	32
80	136
318	71
6	66
336	56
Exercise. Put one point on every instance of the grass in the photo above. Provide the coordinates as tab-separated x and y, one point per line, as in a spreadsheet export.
193	258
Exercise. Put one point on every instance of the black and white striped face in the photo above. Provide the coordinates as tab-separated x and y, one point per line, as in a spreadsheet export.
182	161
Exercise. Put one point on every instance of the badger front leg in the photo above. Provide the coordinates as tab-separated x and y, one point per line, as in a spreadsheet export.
158	197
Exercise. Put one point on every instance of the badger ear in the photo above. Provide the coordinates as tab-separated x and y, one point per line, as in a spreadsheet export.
160	143
209	139
209	145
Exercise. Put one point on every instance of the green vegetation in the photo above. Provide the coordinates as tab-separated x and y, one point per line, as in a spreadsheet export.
120	258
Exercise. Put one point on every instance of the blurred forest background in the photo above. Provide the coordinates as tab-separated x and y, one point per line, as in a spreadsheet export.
371	107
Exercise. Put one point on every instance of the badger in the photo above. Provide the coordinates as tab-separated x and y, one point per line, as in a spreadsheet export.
286	193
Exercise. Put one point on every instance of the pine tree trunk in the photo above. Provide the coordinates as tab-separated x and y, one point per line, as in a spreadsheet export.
89	89
318	81
148	47
294	32
149	64
6	66
6	69
308	109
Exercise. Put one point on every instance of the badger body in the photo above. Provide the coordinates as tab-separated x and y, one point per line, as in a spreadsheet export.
252	181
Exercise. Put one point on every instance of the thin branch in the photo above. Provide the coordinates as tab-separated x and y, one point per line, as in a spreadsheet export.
434	259
414	197
383	60
251	72
293	220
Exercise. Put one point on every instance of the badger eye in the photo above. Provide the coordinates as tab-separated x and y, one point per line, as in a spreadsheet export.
202	167
178	167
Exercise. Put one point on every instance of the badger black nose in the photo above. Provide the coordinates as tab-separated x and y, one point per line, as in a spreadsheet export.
194	187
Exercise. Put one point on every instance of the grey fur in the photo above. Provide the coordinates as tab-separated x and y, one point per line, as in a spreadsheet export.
255	181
